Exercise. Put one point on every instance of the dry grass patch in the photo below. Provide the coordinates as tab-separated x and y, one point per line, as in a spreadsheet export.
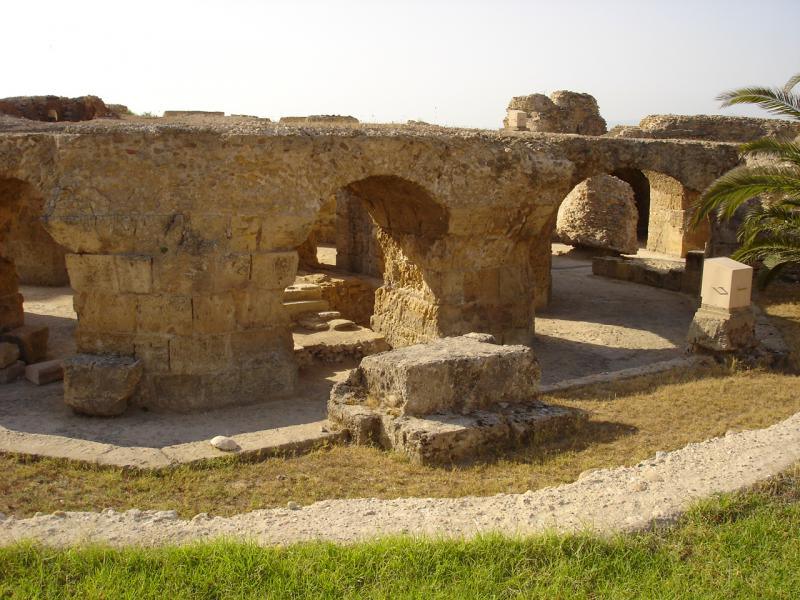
629	421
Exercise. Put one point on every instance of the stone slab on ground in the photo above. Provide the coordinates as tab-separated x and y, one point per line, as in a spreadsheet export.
605	501
31	340
440	439
44	372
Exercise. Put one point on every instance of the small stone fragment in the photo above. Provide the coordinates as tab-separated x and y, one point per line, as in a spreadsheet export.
12	373
9	354
44	372
291	505
224	443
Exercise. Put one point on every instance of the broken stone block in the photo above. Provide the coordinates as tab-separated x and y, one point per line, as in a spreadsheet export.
718	330
44	372
457	374
31	341
12	372
9	354
100	385
451	400
329	315
342	325
302	291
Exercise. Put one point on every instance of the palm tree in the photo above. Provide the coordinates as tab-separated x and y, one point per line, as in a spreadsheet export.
770	231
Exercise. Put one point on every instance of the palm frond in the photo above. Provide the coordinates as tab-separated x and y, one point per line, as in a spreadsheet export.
736	187
780	150
793	81
777	101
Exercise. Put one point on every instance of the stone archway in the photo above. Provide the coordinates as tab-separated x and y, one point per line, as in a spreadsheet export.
641	193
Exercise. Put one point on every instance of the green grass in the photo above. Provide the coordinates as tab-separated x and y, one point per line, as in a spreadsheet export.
736	546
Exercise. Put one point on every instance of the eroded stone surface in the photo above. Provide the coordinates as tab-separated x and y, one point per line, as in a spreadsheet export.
100	385
719	330
599	212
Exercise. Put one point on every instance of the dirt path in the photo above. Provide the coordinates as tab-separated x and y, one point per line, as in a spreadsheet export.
626	498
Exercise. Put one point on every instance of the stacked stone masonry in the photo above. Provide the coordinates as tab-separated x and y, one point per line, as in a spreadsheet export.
182	235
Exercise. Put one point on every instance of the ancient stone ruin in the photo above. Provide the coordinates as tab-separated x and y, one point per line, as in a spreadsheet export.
562	112
58	108
196	252
448	400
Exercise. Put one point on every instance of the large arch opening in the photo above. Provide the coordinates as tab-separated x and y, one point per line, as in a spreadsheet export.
384	225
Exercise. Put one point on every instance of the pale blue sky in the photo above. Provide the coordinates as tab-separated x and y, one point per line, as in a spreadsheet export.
454	63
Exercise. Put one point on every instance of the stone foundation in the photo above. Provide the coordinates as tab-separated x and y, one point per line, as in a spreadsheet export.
447	401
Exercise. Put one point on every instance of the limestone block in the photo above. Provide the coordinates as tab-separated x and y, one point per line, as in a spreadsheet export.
92	272
727	284
302	291
164	313
451	375
516	119
274	270
9	353
134	273
31	341
44	372
100	385
213	313
199	353
718	330
255	308
232	271
183	274
600	212
106	311
12	372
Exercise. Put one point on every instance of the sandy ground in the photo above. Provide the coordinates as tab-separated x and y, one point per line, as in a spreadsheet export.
596	325
622	499
593	326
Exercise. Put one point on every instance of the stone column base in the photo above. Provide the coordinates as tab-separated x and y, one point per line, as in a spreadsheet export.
717	330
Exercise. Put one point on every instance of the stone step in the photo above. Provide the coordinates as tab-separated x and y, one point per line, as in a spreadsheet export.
299	307
302	291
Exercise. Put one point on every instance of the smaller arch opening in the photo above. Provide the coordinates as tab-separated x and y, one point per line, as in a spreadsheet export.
641	194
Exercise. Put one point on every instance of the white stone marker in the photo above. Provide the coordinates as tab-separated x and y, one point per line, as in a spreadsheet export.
727	284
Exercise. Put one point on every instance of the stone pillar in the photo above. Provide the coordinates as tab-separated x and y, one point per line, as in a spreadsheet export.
209	328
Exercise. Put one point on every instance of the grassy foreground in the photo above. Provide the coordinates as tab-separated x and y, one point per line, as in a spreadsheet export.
738	546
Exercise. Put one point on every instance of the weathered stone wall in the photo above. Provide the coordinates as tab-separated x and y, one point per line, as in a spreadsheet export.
357	247
669	230
56	108
182	237
717	128
38	258
562	112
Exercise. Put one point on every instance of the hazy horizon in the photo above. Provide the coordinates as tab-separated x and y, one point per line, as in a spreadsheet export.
390	61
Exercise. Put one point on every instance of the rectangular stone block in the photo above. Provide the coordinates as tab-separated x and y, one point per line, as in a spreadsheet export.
517	119
274	270
134	273
214	313
199	354
92	272
12	372
727	284
106	312
44	372
31	341
94	342
183	274
259	308
153	351
9	283
232	272
447	375
165	314
9	354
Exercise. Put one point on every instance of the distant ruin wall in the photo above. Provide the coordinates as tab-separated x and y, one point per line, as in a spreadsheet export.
56	108
715	128
319	120
562	112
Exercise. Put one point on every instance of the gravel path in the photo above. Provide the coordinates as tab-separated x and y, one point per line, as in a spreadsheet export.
627	498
